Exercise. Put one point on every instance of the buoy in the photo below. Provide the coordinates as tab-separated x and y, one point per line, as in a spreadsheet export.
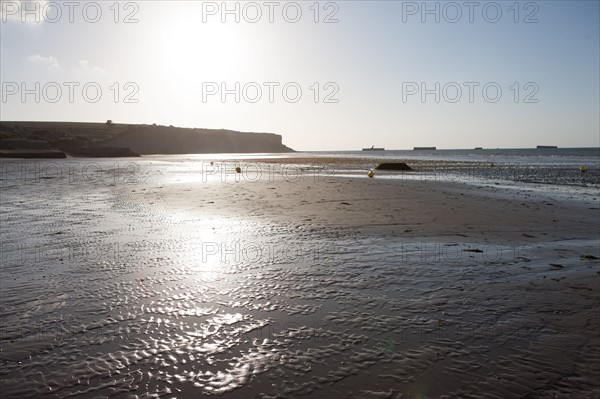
371	174
238	170
492	165
583	169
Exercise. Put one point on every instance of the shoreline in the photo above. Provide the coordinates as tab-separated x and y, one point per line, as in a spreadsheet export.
498	177
364	287
474	173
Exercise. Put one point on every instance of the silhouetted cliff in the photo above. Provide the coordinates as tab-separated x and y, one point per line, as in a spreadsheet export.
171	140
83	139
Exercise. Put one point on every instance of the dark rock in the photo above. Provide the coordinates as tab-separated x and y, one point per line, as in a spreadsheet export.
393	166
32	154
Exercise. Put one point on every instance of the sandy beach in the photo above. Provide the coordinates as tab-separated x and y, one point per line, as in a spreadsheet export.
181	281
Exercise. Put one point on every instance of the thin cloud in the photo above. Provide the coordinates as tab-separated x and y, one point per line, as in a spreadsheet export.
48	62
51	62
86	66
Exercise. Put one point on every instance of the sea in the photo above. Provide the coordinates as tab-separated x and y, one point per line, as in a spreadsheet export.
563	172
570	172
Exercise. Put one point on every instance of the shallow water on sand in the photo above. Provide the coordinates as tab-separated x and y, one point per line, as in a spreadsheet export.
109	290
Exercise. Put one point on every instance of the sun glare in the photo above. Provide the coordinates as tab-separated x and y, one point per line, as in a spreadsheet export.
200	51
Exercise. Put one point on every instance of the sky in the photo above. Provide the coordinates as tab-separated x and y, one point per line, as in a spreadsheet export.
330	75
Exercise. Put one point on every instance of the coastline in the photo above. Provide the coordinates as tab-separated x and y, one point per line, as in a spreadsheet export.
347	286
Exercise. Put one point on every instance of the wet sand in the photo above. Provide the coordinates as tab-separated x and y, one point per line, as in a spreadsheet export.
183	282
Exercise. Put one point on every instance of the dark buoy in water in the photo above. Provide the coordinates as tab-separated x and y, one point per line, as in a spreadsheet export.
583	169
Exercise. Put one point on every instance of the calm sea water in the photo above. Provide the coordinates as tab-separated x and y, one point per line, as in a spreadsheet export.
589	156
556	167
566	169
561	156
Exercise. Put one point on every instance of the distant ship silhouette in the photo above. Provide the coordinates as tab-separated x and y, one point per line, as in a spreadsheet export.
373	149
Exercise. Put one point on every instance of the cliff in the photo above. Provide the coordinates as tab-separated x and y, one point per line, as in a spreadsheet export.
171	140
97	139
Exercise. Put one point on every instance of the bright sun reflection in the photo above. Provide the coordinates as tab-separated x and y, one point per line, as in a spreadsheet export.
204	245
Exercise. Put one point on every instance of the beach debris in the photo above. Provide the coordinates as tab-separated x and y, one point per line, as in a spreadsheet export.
492	165
583	169
393	166
371	174
238	170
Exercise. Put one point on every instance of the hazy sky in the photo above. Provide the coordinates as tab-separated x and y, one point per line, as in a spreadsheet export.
327	76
